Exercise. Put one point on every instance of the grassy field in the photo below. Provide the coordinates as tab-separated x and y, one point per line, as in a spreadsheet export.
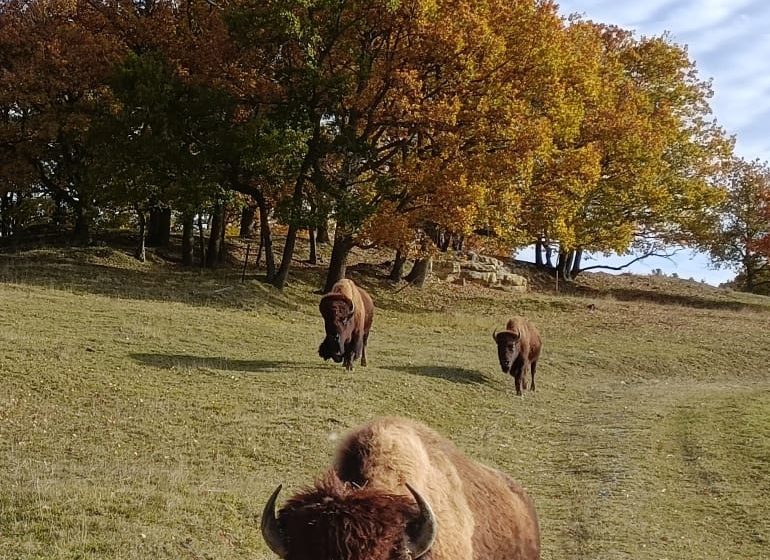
147	412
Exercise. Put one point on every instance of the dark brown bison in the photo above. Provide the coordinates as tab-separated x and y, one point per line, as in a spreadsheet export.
347	311
400	491
518	349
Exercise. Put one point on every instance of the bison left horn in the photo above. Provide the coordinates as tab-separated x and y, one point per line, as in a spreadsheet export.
494	334
422	531
271	532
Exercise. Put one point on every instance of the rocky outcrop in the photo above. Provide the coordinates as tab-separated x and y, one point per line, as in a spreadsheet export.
479	269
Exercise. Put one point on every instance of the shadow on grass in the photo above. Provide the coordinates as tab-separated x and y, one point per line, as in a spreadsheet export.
186	361
454	374
668	298
88	271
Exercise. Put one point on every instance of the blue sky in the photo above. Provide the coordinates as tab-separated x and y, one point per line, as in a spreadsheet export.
729	40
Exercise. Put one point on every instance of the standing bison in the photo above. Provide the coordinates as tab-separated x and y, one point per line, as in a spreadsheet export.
518	348
347	311
400	491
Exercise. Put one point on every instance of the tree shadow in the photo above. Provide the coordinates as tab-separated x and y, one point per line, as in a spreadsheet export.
453	374
113	273
186	361
668	298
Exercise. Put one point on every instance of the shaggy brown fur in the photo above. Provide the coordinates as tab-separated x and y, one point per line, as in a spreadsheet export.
518	349
362	510
347	311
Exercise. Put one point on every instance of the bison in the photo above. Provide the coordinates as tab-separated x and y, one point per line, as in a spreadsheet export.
400	491
518	349
347	311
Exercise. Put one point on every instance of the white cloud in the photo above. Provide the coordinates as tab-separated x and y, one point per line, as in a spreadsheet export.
729	41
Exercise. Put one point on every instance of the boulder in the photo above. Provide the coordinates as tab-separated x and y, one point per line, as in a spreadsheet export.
486	278
444	269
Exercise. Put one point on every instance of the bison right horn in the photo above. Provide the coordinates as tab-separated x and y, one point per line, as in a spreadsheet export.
421	531
271	532
494	334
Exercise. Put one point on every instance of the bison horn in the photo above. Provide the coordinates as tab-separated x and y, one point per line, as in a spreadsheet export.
421	531
271	532
494	334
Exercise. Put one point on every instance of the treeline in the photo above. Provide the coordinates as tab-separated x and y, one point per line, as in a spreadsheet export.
413	124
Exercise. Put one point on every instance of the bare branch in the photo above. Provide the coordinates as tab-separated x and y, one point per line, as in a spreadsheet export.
666	256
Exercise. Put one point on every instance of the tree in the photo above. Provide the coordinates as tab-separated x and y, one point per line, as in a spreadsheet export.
741	233
646	164
54	69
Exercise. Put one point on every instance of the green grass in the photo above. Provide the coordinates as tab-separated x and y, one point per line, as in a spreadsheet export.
147	412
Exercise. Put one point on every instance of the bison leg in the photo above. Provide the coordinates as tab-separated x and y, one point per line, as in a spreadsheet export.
363	350
534	367
524	369
517	375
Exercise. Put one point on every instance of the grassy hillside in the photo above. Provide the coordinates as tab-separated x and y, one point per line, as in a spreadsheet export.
147	412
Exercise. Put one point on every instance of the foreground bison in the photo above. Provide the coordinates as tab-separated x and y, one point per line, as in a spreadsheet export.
347	311
400	491
518	349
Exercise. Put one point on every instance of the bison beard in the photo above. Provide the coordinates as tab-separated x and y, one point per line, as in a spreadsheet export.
365	509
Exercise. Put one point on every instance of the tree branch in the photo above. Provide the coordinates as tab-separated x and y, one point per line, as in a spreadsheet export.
666	256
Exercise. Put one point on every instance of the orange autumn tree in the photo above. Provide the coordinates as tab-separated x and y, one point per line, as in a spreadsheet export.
470	175
55	62
385	88
740	238
652	163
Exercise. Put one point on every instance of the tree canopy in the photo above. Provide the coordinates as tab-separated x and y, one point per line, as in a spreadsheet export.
412	124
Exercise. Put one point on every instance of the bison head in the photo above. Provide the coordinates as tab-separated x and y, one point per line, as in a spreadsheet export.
337	312
508	348
337	520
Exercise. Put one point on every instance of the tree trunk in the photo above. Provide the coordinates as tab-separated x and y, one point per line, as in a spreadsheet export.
188	238
265	238
539	253
313	258
446	241
82	230
215	236
222	252
548	255
201	240
577	257
343	243
322	236
248	215
564	264
288	253
140	252
750	272
397	272
420	271
159	227
5	229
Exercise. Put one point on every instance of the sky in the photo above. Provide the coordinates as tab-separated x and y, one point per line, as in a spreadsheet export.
729	40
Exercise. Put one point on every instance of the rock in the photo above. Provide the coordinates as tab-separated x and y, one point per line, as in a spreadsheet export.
512	279
443	269
479	277
478	266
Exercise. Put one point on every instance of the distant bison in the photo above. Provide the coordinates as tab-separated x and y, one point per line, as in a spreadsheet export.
518	349
400	491
347	312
